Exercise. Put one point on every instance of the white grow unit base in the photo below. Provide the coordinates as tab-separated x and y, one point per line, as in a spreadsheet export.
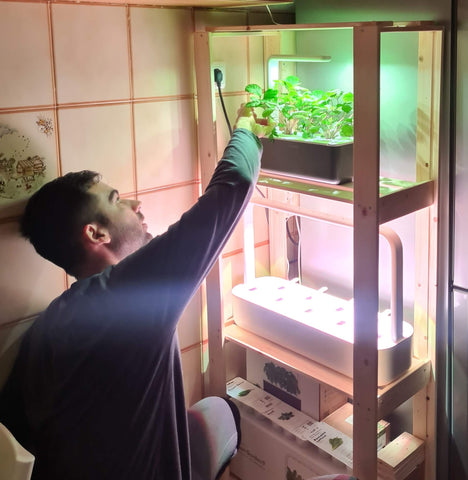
316	325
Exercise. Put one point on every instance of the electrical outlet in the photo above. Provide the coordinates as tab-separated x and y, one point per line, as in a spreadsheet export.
222	67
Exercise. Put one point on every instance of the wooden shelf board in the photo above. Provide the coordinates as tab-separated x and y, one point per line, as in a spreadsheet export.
397	197
385	26
183	3
388	396
343	193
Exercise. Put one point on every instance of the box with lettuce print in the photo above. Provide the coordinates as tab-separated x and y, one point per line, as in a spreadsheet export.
293	387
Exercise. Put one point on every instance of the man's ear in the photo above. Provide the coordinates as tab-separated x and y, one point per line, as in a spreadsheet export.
95	234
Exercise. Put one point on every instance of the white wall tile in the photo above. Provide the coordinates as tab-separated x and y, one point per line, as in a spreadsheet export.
91	52
232	51
98	138
28	283
25	73
165	143
162	51
25	138
256	61
164	207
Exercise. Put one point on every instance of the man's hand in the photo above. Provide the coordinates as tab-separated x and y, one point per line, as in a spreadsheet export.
247	119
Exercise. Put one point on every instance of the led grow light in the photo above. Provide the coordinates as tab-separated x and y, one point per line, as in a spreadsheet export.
274	62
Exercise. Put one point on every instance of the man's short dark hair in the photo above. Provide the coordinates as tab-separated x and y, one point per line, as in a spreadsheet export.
56	213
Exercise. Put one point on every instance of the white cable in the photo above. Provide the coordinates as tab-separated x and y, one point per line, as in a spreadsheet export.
271	16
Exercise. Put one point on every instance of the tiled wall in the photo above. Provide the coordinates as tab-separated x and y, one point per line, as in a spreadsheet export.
108	88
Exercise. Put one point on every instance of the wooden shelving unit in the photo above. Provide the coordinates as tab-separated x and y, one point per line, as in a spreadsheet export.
375	201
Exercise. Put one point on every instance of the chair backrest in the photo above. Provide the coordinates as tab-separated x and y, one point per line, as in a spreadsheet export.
16	463
10	339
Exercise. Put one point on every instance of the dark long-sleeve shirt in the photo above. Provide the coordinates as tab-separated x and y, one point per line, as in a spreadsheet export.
96	391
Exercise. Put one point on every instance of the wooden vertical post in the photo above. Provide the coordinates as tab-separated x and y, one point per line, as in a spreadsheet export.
215	381
366	247
427	154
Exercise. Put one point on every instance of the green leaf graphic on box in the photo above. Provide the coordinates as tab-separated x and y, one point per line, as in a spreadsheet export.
285	379
244	392
292	475
335	442
286	416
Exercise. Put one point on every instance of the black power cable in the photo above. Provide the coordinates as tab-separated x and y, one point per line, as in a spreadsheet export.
218	78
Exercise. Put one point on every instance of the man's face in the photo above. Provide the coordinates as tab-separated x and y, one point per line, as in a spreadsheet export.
125	221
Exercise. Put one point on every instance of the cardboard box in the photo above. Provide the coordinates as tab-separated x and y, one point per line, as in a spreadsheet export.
266	453
293	387
294	424
402	458
342	420
280	442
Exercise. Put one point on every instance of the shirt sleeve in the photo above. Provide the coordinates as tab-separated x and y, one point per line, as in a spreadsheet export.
164	274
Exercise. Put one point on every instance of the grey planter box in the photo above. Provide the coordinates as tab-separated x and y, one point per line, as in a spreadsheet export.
314	161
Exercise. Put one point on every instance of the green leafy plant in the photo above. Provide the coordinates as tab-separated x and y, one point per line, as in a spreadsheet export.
293	110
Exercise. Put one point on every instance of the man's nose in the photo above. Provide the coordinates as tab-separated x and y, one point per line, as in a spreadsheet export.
134	204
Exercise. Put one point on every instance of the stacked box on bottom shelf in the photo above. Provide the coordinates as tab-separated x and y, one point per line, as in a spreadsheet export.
279	441
266	453
342	419
401	458
291	423
293	387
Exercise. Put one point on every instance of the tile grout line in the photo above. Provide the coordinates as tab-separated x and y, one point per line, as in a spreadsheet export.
55	106
54	86
132	99
97	103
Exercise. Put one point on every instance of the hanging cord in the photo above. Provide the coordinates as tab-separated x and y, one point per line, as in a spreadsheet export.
299	248
271	15
218	78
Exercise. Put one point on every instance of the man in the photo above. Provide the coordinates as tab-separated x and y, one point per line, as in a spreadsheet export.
96	391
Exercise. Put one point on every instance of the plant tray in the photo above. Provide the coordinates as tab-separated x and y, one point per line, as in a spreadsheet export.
316	325
332	163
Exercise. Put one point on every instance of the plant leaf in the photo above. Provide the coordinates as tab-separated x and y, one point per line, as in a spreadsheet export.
346	108
347	130
292	79
253	103
267	112
270	94
254	89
